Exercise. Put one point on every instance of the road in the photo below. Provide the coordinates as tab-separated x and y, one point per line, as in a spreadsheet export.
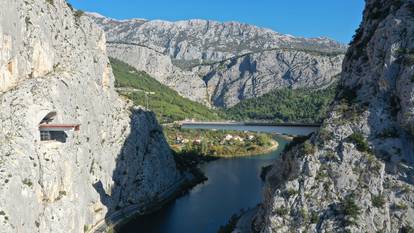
296	129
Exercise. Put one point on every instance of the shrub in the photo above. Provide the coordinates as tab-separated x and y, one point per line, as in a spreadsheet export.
27	182
378	200
400	206
405	188
78	14
350	208
357	36
304	214
314	218
290	192
295	141
282	211
325	134
70	6
309	148
359	141
51	2
330	155
263	140
321	175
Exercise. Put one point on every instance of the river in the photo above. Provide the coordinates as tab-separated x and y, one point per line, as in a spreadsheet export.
233	184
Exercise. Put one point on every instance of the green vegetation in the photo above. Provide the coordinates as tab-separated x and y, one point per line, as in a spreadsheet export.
167	104
27	182
309	148
350	209
218	143
378	201
286	105
289	192
299	140
359	141
282	211
78	14
51	2
314	217
400	206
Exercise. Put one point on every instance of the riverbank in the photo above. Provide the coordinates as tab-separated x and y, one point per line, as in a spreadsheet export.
188	162
245	221
233	185
274	145
129	213
219	143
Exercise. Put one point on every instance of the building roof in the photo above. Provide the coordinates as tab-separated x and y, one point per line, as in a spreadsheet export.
59	127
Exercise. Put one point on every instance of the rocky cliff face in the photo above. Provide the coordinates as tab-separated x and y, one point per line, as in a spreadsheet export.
221	63
357	173
53	60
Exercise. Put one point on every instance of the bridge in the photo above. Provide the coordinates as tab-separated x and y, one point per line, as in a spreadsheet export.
294	129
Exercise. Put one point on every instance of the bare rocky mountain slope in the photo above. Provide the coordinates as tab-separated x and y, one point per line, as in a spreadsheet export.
53	61
220	64
357	173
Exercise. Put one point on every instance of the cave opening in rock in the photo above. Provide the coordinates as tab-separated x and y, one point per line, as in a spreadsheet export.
51	131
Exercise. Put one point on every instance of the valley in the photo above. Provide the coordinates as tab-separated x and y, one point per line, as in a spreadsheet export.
190	125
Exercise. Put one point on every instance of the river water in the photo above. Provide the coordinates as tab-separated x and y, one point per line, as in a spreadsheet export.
233	184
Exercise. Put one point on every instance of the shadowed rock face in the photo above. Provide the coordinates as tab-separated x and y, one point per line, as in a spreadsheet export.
221	63
52	61
357	173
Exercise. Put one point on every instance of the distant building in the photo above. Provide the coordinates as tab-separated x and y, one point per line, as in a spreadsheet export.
50	131
228	137
197	142
238	138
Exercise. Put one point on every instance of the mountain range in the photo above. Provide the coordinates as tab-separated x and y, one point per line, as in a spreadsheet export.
221	64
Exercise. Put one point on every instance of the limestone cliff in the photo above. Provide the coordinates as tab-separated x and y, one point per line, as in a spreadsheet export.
220	64
53	62
357	173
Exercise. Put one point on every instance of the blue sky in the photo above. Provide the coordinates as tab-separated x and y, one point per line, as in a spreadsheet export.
337	19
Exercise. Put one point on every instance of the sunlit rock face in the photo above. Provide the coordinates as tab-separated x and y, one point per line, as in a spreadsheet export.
356	174
52	61
220	64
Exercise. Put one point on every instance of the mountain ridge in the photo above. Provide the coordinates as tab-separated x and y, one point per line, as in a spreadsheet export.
219	64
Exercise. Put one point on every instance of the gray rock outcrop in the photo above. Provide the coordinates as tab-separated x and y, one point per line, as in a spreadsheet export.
357	173
53	61
220	64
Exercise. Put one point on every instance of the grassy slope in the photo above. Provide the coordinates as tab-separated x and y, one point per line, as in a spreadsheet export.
166	103
286	105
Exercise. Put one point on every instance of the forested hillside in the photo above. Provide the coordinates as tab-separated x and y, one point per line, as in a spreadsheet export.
286	105
168	105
